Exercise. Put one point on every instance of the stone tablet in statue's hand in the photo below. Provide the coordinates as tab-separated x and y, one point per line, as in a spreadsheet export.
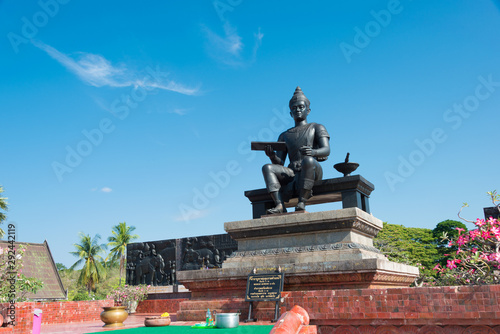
269	151
306	150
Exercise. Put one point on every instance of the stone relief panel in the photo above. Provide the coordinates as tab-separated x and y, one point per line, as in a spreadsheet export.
156	262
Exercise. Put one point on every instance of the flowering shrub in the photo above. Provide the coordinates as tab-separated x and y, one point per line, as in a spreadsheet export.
129	293
477	257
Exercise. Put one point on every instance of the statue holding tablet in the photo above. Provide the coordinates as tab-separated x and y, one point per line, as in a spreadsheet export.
305	144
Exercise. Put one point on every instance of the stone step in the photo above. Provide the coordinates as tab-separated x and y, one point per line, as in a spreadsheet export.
196	310
199	315
223	304
213	304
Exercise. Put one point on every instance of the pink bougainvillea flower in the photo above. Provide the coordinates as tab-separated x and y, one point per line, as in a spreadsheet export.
451	264
474	234
485	234
496	232
461	241
494	257
480	222
460	230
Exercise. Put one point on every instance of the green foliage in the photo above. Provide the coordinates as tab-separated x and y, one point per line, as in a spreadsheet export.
443	232
98	276
110	264
88	251
121	236
81	295
77	292
3	206
60	267
450	228
408	245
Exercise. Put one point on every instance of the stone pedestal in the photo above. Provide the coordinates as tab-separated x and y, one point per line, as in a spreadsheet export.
316	251
352	191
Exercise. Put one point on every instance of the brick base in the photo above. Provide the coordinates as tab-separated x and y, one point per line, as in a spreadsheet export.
54	313
159	306
463	306
362	310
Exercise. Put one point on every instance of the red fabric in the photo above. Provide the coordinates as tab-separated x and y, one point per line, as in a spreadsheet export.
291	322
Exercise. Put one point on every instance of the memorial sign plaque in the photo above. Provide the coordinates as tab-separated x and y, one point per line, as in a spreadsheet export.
264	287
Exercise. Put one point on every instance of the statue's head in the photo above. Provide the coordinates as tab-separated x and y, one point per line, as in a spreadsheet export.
299	105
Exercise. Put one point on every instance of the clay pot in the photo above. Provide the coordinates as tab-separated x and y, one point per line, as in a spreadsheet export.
156	321
114	316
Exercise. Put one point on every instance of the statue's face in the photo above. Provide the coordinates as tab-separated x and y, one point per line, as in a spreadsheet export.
299	110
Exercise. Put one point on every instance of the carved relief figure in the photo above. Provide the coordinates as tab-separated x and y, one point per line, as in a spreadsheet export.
150	270
191	259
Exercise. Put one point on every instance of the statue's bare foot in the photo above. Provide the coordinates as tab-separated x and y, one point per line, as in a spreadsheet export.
301	206
278	209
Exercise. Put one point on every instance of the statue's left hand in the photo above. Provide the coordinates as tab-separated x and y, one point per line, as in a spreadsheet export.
306	150
270	152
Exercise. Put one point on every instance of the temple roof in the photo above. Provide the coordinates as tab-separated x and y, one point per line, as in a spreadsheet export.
38	262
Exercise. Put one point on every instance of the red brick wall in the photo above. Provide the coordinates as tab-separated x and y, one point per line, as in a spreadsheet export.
23	317
57	312
66	311
399	310
159	306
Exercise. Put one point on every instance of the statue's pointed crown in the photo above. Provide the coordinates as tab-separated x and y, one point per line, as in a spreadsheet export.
299	95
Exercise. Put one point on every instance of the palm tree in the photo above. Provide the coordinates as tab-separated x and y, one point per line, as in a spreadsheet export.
3	206
88	251
118	241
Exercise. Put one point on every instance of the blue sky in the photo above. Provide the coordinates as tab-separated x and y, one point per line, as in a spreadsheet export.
144	113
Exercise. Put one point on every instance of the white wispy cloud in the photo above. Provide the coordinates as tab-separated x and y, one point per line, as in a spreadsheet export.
258	41
106	190
230	43
180	111
229	48
97	71
194	215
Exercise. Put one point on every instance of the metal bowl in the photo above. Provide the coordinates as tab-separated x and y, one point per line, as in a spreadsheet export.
227	320
346	168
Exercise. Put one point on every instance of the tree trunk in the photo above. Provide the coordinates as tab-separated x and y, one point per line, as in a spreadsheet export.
121	269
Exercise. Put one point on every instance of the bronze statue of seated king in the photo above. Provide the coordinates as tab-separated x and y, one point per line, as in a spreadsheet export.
306	144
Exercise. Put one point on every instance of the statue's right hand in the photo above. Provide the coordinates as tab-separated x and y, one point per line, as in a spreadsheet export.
269	151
